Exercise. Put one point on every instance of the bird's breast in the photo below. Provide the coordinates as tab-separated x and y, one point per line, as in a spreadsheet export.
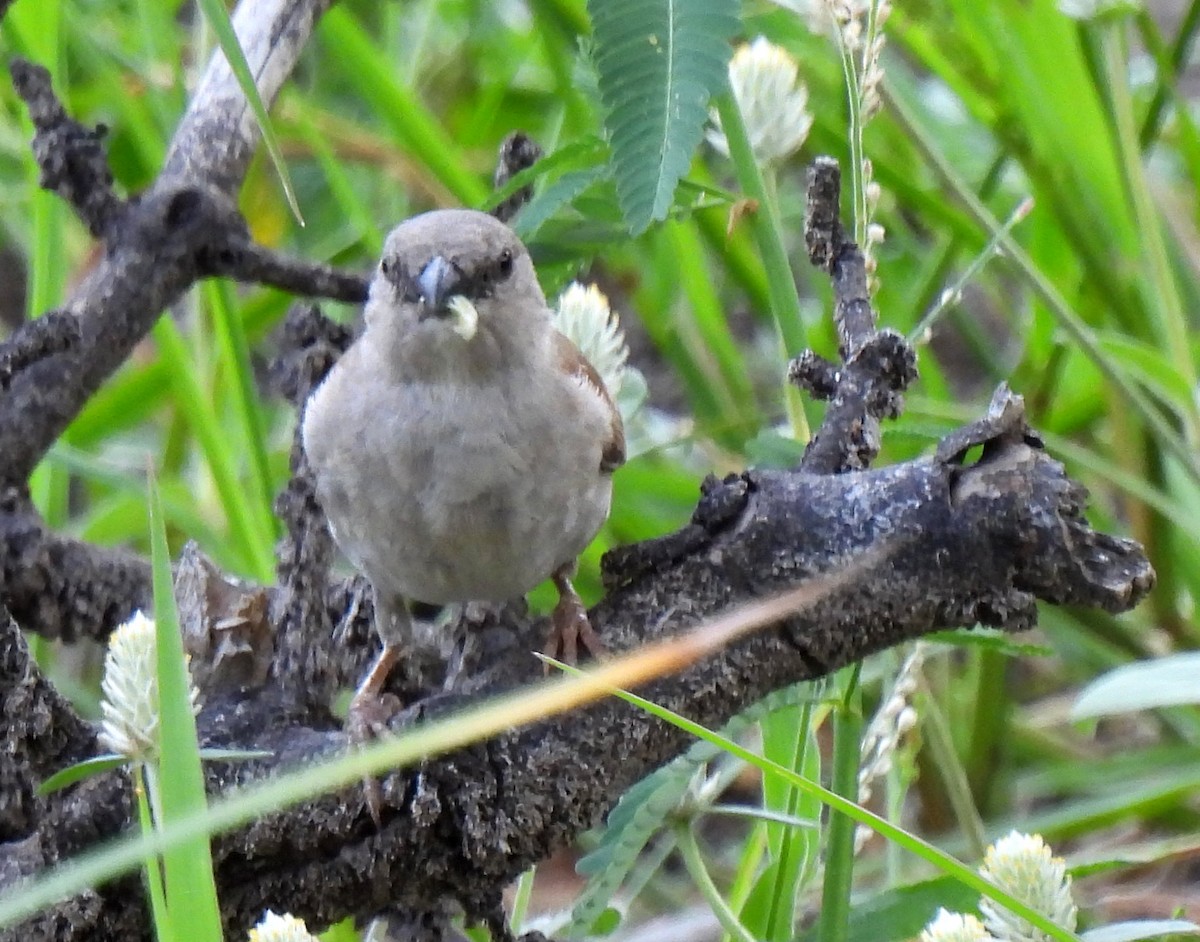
449	493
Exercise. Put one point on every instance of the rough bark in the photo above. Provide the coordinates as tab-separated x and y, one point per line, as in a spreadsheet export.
950	545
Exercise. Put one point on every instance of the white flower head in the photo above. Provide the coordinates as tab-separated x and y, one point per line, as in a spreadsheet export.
955	927
130	686
817	15
586	319
1023	865
772	99
276	928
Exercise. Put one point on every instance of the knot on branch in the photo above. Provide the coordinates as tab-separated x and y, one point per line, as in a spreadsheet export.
1068	563
892	363
71	157
54	332
1004	422
722	501
186	224
869	388
815	375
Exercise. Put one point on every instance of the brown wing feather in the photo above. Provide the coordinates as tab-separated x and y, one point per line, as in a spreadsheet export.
574	363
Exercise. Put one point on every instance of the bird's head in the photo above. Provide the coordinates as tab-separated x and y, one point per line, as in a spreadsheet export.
456	272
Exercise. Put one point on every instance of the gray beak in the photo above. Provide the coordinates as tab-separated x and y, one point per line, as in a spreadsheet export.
438	282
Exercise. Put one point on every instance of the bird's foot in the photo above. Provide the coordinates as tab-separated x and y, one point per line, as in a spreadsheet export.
368	715
570	628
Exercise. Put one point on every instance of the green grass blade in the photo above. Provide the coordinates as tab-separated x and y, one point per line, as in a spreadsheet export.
788	738
834	921
79	771
373	74
190	887
932	855
1167	681
164	929
253	539
218	20
238	376
694	861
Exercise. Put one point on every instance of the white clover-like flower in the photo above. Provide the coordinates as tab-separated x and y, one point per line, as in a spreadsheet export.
955	927
276	928
586	319
1023	865
772	99
817	15
130	686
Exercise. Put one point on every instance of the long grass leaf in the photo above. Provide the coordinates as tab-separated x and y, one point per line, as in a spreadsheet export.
190	888
221	25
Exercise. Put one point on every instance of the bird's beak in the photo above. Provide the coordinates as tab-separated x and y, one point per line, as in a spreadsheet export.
438	282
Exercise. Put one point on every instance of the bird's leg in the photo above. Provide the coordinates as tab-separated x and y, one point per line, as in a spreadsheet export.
371	708
569	625
469	621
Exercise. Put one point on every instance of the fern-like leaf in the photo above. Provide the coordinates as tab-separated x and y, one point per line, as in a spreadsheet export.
643	811
659	63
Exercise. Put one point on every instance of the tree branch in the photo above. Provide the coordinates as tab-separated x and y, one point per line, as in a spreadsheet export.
878	365
464	825
157	245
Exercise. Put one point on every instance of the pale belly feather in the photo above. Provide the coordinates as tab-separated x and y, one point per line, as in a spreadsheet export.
454	509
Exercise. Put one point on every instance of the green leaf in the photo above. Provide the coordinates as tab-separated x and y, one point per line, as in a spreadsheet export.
659	63
1136	929
218	20
606	923
1168	681
789	739
79	771
900	914
989	640
911	842
587	152
554	197
344	931
643	810
234	755
191	890
638	816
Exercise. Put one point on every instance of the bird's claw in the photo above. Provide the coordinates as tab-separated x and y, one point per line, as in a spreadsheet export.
570	630
367	720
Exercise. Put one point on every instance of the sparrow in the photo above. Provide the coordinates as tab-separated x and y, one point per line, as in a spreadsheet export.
463	449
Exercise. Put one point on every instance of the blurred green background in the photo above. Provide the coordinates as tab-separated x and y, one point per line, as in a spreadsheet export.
1090	315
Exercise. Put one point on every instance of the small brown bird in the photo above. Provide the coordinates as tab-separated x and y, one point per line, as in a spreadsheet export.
463	448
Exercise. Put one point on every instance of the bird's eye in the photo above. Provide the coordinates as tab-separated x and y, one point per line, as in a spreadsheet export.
386	267
505	265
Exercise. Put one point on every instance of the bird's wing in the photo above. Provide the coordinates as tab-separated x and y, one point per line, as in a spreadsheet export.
576	365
